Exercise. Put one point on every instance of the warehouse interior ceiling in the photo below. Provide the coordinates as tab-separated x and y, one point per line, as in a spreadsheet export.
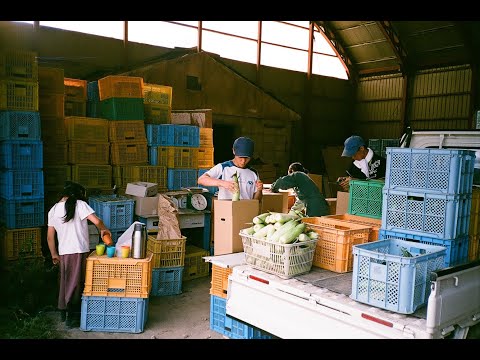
365	47
374	47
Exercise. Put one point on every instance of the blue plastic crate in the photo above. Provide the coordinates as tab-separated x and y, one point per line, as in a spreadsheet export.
92	91
21	154
383	277
20	125
113	314
172	135
167	281
116	211
16	214
426	213
21	184
181	178
229	326
457	249
446	171
211	189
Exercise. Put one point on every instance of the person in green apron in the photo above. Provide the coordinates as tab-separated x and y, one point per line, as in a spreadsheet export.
307	192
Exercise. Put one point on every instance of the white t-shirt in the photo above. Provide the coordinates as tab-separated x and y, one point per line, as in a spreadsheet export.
73	237
363	164
247	179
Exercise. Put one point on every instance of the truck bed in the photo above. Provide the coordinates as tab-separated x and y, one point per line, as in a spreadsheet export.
313	305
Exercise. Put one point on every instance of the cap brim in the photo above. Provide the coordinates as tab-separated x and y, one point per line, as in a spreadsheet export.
348	153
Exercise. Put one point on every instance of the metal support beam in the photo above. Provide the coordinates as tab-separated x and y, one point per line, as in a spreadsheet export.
392	37
326	30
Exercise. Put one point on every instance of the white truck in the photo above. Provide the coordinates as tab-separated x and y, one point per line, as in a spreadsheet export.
317	304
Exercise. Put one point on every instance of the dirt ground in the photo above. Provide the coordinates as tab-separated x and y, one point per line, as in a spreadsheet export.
183	316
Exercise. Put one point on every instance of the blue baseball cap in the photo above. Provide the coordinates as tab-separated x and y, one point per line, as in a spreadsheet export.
243	147
352	144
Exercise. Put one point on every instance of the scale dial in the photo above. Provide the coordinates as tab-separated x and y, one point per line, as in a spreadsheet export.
182	201
198	202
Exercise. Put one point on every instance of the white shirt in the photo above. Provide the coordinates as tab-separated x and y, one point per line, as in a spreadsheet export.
73	237
247	179
363	164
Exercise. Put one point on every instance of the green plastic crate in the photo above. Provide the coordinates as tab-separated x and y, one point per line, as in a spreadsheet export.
366	198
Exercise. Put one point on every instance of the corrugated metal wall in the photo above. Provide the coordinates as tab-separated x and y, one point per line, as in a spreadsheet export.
378	107
440	99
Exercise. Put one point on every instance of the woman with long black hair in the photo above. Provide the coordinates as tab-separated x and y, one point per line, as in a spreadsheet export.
68	220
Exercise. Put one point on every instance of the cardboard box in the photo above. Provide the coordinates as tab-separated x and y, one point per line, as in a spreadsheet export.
343	199
197	117
318	180
142	189
332	203
276	202
145	205
229	218
151	221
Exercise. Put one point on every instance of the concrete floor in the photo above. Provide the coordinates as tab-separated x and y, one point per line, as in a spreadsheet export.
183	316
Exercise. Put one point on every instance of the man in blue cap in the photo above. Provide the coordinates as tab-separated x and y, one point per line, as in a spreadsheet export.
221	175
366	163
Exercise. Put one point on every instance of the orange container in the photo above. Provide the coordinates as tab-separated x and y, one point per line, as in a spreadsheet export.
375	224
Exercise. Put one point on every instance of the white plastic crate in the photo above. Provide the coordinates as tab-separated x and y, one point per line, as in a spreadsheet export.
283	260
384	277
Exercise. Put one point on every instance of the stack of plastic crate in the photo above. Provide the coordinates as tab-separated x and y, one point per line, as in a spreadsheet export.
168	261
474	228
425	225
195	267
21	157
222	267
116	294
52	115
428	198
205	155
121	102
176	147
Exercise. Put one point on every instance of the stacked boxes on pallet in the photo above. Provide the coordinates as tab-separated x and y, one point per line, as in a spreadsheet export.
425	226
168	260
21	157
115	297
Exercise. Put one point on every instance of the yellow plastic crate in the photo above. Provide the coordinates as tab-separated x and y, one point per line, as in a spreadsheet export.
54	176
177	157
26	243
205	158
473	247
474	228
75	89
75	107
51	105
83	128
116	86
195	267
18	64
55	153
93	176
220	281
375	224
118	277
166	252
85	152
18	95
335	241
157	94
128	152
206	137
157	114
127	130
50	80
147	173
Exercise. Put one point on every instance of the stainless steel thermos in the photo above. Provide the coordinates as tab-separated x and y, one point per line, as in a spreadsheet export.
139	241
